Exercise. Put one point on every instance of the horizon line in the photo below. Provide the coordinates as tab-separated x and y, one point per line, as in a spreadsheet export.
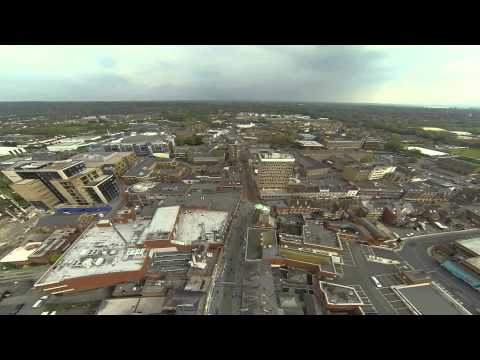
299	102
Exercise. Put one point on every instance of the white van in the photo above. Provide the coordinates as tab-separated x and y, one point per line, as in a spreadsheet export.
37	304
377	283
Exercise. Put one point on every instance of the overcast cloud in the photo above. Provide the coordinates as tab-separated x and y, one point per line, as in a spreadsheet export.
384	74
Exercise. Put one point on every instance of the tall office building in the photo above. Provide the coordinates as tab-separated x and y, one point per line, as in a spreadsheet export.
274	170
46	184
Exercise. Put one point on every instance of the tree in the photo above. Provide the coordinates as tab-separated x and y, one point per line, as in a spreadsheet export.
367	159
393	145
191	140
53	258
281	140
415	153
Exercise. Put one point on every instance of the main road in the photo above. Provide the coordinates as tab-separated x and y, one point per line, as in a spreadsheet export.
228	292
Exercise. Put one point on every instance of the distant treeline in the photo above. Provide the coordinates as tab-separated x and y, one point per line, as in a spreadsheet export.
397	119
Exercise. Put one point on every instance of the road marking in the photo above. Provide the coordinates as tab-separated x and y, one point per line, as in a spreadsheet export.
365	252
366	300
350	257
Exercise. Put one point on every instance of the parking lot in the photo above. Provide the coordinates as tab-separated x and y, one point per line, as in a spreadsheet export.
369	252
388	280
347	256
368	308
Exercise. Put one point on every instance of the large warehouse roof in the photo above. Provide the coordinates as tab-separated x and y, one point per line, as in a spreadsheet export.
471	245
100	250
200	225
429	299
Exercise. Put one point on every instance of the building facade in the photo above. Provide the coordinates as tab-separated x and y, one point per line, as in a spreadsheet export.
48	183
274	170
116	163
143	145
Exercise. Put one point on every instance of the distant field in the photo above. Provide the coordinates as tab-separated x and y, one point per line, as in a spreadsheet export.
473	153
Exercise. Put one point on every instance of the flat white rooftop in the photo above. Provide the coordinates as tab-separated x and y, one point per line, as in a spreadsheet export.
200	225
21	253
162	223
99	250
427	152
276	157
472	245
125	306
309	143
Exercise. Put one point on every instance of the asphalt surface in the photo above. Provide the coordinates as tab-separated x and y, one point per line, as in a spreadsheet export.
32	273
415	253
227	297
359	272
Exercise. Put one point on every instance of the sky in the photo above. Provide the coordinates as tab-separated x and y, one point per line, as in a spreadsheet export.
390	74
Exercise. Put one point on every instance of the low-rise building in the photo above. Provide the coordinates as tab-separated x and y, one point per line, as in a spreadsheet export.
470	246
339	297
424	193
373	144
53	246
428	299
143	171
20	255
144	193
72	144
261	244
367	172
321	209
310	168
104	255
309	145
143	145
53	222
378	189
343	144
207	160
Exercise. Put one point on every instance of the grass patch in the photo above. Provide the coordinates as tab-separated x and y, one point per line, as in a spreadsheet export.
316	259
472	153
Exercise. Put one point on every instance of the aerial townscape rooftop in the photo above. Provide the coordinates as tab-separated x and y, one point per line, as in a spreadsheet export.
233	207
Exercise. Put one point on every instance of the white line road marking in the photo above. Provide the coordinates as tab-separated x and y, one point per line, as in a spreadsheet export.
350	253
365	300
